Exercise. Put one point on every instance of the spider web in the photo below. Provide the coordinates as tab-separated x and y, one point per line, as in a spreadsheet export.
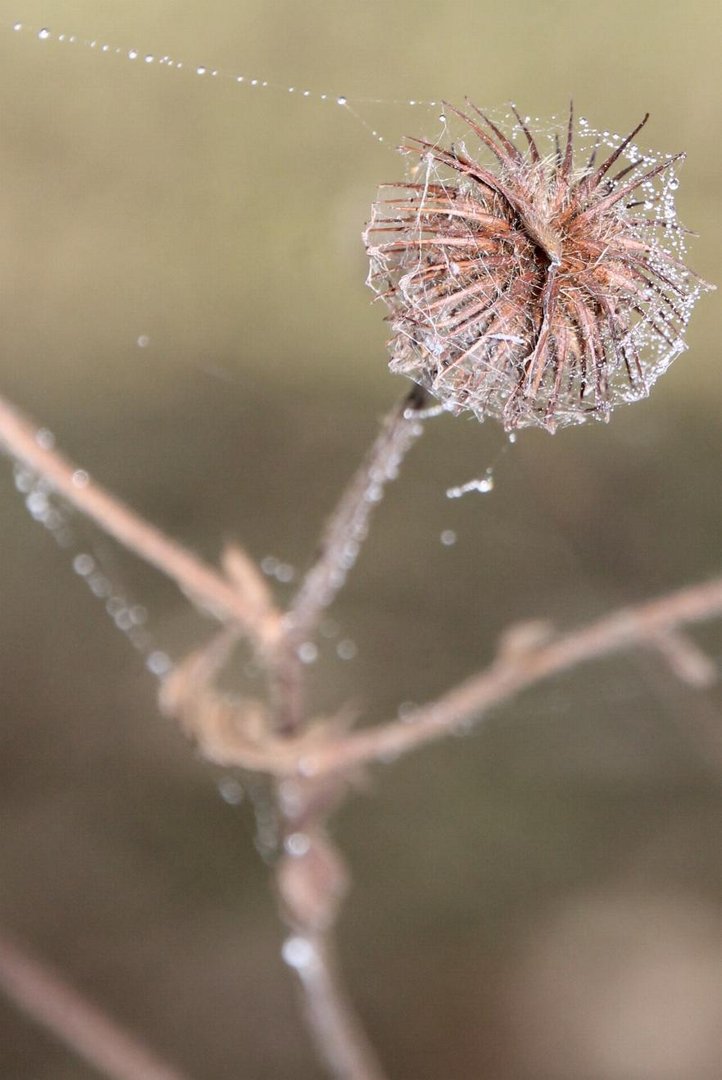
378	124
92	556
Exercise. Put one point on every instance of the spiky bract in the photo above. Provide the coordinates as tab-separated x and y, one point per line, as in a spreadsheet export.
532	288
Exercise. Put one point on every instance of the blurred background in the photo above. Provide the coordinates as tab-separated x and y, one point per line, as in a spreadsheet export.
183	305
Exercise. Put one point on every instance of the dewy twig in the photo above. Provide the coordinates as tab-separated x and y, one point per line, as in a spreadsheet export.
318	756
201	583
515	670
348	525
340	544
340	1039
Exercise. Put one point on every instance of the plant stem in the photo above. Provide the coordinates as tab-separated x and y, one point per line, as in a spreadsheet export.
340	1040
339	547
515	671
347	527
80	1025
201	583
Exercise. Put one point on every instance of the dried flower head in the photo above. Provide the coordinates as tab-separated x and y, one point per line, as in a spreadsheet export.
532	288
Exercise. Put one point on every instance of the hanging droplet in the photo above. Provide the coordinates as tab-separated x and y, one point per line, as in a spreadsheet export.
231	790
298	952
483	485
297	844
159	663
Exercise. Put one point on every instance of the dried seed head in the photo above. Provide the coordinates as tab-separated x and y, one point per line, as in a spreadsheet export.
526	285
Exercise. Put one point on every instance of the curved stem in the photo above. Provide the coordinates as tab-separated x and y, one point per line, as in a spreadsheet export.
101	1042
514	671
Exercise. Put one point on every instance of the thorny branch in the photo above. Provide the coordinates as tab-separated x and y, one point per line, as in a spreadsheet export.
313	763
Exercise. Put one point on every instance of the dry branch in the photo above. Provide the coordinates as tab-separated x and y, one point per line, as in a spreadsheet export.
319	756
201	583
514	671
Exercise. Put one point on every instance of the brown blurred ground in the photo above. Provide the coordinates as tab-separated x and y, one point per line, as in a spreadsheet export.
540	901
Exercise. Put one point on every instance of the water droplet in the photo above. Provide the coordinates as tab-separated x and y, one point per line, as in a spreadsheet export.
143	341
17	26
132	54
158	663
99	585
81	478
37	504
149	59
346	649
201	70
269	565
483	485
341	100
83	564
298	952
115	605
448	537
307	652
673	183
230	790
284	572
44	34
45	439
297	844
24	480
123	620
